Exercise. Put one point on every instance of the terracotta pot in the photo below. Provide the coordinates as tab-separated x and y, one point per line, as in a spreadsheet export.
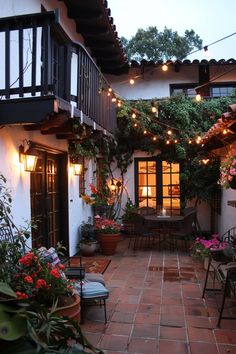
108	243
70	308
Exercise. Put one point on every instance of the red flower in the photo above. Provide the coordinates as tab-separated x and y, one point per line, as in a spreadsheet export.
93	189
27	259
21	295
55	273
28	279
61	266
41	283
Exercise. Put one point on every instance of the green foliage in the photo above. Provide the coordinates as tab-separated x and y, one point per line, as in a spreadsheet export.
187	119
153	45
129	209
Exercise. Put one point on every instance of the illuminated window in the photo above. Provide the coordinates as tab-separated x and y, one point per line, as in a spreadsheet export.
157	184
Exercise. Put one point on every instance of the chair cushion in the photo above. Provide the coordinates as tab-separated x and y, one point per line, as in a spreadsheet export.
92	290
97	277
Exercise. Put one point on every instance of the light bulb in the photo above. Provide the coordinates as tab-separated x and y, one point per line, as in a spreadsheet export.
131	81
164	67
198	97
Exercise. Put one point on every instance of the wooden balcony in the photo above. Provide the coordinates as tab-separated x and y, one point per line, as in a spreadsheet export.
45	72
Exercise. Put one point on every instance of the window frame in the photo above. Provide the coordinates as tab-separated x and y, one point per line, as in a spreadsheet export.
159	182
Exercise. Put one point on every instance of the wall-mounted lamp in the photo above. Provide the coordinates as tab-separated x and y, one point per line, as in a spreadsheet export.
77	165
28	157
78	169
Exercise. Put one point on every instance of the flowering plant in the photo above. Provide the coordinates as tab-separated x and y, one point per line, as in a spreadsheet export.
106	226
201	246
37	279
98	196
228	169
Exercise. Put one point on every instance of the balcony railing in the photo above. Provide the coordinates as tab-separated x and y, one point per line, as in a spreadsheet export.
38	59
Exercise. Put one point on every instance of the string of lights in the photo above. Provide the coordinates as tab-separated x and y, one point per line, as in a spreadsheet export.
153	118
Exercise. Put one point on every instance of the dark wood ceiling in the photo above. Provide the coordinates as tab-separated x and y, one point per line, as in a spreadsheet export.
93	20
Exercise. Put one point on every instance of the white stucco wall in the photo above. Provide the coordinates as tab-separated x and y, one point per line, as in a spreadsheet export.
19	181
155	83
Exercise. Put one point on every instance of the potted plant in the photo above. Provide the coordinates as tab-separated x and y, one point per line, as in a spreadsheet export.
100	199
228	171
201	246
127	216
108	231
88	243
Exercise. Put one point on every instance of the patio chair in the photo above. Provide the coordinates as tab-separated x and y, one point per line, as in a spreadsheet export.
142	232
73	272
90	292
221	271
184	231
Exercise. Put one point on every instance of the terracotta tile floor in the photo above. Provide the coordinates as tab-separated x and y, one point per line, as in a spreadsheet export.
155	307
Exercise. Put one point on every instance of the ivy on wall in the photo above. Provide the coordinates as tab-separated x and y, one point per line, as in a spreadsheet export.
141	129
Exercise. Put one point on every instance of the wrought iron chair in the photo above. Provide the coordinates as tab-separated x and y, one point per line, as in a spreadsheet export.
141	232
89	291
221	270
185	231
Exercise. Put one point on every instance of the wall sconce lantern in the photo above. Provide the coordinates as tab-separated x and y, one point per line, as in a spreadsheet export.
28	157
78	169
77	165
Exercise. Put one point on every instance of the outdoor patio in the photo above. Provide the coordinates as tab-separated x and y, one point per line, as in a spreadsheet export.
155	307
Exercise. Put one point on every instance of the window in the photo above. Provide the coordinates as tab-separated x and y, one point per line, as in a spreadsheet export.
183	89
222	90
157	184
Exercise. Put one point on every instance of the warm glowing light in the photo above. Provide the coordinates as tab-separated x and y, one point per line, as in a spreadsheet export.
78	168
113	99
119	104
225	131
154	138
190	141
133	115
164	67
108	94
169	132
167	142
176	141
146	192
28	158
131	81
145	132
112	186
154	109
135	125
110	89
198	97
205	161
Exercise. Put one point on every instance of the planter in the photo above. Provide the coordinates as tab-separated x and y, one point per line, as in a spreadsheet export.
108	243
88	249
233	183
70	308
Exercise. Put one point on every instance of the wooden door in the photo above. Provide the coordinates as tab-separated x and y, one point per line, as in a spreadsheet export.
49	207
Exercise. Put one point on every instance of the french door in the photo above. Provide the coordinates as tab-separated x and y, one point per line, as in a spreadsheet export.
49	207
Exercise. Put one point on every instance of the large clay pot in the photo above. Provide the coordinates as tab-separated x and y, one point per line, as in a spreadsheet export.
88	249
70	308
108	243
